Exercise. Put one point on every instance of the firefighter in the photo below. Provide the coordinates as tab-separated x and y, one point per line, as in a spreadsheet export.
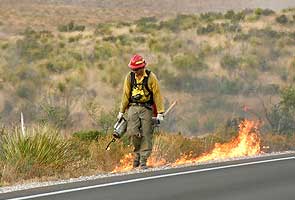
141	93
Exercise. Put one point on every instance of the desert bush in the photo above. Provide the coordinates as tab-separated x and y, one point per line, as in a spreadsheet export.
147	25
88	135
104	51
210	16
104	120
266	34
124	40
253	18
75	38
31	48
230	62
71	27
282	115
231	15
139	39
103	29
230	87
181	22
55	115
61	63
258	12
209	28
26	90
265	12
219	28
282	19
188	63
164	44
4	46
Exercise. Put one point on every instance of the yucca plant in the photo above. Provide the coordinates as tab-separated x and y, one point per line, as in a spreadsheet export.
42	147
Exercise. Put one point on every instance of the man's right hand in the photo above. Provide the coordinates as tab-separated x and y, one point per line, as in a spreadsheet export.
120	115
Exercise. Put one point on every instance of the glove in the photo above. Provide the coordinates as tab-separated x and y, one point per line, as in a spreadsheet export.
120	115
160	116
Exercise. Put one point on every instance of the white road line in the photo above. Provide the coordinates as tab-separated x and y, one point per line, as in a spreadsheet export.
150	178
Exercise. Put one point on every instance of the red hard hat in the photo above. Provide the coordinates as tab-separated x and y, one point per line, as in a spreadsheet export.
137	62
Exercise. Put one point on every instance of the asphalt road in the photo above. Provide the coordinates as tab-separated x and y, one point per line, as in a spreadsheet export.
269	178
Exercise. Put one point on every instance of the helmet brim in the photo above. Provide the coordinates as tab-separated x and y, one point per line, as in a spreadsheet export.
142	65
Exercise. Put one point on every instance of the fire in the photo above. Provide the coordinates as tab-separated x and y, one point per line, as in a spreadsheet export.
247	143
125	163
127	160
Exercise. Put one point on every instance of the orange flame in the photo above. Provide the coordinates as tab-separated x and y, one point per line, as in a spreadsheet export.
247	143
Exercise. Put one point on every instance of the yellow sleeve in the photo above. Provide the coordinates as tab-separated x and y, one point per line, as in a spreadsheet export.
155	88
126	94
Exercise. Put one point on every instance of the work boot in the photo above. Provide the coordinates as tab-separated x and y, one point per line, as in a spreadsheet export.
135	163
143	166
136	160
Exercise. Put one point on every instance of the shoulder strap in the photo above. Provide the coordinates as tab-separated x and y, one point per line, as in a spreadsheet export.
132	79
145	81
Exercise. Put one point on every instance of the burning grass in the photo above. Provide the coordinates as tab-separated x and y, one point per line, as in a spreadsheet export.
180	151
44	155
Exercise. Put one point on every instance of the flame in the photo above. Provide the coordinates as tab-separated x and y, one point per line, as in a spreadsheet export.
247	143
125	163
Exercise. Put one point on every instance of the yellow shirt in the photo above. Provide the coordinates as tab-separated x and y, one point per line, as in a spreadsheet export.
153	85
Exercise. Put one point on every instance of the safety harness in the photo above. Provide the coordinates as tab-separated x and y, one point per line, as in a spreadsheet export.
144	84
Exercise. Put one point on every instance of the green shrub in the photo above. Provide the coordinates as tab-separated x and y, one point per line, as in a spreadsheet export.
4	46
239	16
267	12
31	48
181	22
26	91
210	16
103	29
61	63
88	135
75	38
55	115
209	28
139	39
230	87
104	51
124	40
258	11
282	115
219	28
104	120
282	19
164	44
189	63
146	25
71	27
230	62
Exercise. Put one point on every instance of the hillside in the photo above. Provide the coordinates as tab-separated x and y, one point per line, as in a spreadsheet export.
63	62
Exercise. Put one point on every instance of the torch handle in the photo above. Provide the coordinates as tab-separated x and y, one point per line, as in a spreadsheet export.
170	107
